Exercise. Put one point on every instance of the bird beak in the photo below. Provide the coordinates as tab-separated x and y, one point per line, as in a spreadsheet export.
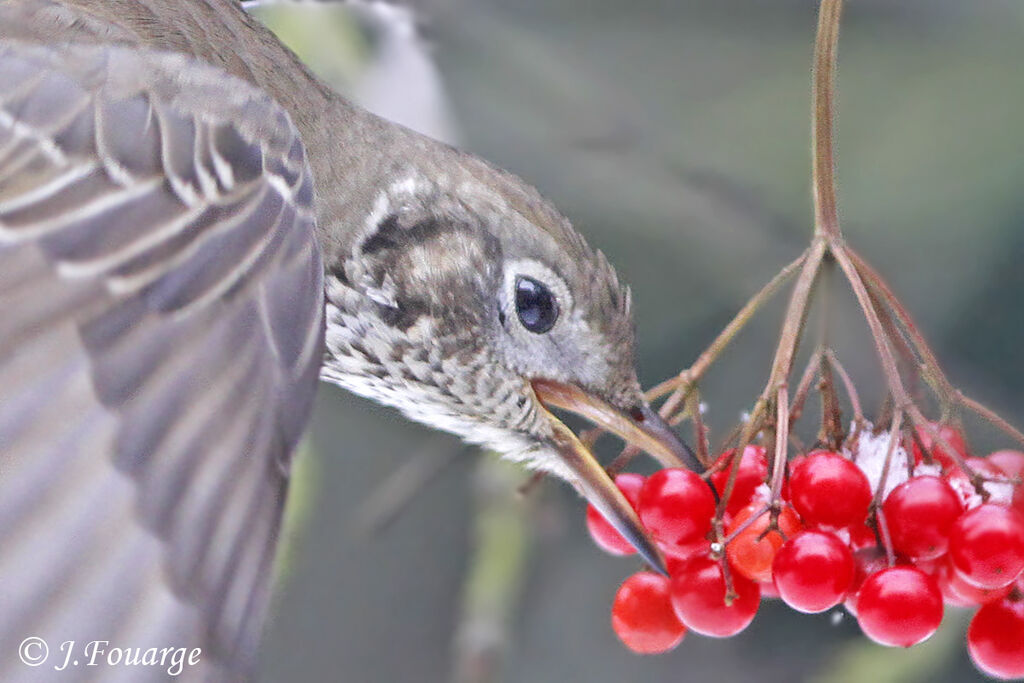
641	427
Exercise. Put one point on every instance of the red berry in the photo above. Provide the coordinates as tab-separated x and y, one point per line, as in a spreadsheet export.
1010	462
862	536
752	550
986	545
753	471
699	599
938	453
813	571
676	506
828	489
919	513
899	606
603	533
865	563
959	593
642	615
676	555
995	639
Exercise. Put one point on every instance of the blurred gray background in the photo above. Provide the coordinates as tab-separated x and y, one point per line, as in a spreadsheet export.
675	136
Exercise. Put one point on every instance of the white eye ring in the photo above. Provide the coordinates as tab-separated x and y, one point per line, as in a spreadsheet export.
534	270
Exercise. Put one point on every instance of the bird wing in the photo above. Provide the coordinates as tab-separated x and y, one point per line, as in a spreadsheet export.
161	332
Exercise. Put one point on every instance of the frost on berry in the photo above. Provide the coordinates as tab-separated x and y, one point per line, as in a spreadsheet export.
869	451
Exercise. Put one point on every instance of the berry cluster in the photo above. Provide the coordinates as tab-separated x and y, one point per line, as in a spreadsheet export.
934	535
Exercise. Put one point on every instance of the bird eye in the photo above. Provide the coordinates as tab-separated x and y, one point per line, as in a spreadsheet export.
535	305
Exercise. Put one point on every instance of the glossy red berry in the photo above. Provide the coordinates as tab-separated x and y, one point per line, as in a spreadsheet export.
862	536
938	453
899	606
699	599
642	615
813	571
753	471
959	593
752	551
603	533
676	506
828	489
866	562
995	639
920	513
986	545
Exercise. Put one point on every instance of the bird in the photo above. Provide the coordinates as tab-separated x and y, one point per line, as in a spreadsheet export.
195	231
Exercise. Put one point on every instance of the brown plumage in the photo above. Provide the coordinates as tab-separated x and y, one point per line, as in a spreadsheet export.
193	228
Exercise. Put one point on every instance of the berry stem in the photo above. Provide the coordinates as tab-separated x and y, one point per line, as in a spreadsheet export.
803	388
882	527
700	432
851	390
781	445
763	510
826	214
683	383
831	432
885	293
990	416
894	436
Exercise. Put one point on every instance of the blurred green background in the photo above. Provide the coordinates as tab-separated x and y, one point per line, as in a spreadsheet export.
675	136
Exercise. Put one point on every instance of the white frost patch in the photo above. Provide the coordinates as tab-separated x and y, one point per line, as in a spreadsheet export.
762	492
869	454
965	489
924	469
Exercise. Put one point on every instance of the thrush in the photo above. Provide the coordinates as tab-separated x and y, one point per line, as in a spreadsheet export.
193	230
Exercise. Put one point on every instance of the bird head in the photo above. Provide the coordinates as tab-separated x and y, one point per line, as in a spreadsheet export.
468	302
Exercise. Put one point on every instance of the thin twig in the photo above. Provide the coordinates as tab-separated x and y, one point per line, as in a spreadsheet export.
685	380
990	416
851	390
928	358
803	388
700	432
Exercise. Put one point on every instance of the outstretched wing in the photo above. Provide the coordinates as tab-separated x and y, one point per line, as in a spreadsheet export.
161	331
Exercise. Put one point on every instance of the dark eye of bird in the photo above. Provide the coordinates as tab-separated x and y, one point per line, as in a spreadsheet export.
535	305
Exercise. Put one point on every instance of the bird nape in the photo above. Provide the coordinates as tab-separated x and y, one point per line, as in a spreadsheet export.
193	230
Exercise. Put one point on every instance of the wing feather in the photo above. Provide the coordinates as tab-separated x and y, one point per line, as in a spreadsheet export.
161	330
